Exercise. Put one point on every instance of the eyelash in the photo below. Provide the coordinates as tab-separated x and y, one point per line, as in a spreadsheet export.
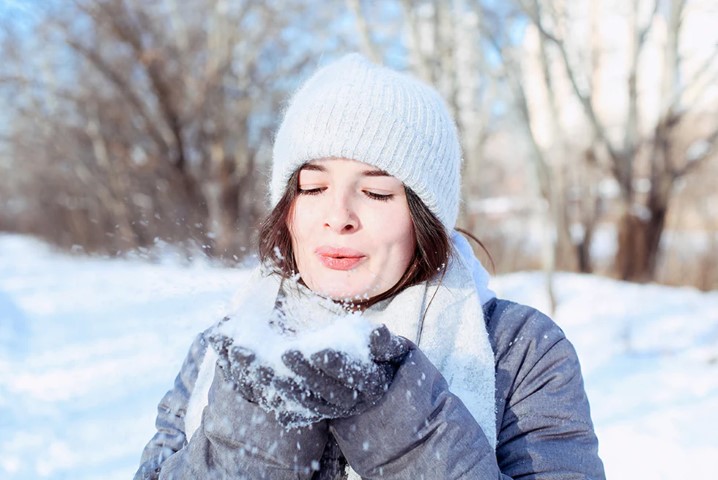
372	195
310	191
379	197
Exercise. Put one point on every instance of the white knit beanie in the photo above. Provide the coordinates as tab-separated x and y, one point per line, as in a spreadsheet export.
355	109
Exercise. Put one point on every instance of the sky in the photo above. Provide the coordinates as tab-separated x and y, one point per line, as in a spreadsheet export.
21	10
88	346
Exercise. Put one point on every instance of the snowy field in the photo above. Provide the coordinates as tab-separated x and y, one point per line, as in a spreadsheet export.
89	346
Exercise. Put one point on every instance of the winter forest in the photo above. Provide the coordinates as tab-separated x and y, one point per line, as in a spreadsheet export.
135	147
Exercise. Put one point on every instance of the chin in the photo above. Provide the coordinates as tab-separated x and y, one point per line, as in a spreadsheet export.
344	294
338	291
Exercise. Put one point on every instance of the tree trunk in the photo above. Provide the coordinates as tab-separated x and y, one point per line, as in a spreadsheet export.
638	245
583	251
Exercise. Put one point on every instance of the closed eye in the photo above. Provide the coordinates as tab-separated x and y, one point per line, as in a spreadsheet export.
379	196
311	191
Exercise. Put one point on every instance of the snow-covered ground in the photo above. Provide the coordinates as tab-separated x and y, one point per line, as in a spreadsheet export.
88	347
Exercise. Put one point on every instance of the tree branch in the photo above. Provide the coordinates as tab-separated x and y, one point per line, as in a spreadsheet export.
125	91
695	162
596	124
423	67
677	99
363	26
151	63
643	33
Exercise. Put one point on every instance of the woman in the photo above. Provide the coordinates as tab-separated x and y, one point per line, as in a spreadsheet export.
456	384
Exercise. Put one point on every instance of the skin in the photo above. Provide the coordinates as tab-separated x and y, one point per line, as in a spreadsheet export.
352	233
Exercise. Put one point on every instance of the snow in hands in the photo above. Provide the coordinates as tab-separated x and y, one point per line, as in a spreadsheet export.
310	360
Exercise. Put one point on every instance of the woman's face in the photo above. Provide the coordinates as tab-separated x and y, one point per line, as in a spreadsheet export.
352	234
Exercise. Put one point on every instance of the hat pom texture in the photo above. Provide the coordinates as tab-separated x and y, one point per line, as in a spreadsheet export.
358	110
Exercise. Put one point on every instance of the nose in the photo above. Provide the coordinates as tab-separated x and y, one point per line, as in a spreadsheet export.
340	216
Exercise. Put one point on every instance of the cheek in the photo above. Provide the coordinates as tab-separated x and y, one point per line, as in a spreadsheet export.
407	247
398	230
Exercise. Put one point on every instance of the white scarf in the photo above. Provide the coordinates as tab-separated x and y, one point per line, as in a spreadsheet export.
451	332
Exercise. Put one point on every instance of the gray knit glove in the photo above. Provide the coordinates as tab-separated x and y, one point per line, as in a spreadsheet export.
334	385
260	384
329	384
240	367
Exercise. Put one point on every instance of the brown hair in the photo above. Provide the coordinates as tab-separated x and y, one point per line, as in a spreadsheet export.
430	255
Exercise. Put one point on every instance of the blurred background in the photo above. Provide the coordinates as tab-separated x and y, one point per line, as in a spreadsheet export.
589	127
135	139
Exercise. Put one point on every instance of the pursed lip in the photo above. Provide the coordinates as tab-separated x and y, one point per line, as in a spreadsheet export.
339	258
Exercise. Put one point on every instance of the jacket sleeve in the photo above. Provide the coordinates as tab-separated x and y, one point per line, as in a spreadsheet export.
237	439
170	422
418	430
544	423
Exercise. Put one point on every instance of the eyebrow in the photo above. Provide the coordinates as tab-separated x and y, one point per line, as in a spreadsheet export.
376	173
366	173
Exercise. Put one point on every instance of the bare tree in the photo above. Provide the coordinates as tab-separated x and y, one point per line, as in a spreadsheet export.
654	153
160	116
567	102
